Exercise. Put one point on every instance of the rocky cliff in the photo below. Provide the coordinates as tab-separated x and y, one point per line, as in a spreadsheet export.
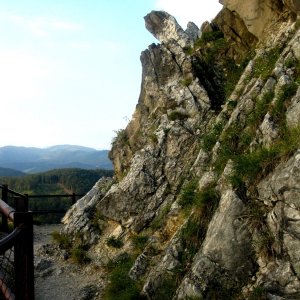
205	200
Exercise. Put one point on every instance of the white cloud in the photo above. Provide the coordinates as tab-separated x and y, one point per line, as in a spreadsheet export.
196	11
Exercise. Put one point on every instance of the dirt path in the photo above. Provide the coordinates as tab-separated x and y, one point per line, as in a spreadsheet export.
57	278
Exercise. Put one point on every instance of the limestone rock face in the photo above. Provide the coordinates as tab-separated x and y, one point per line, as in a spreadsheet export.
257	14
165	28
205	197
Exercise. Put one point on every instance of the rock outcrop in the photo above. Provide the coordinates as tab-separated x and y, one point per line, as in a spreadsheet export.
205	199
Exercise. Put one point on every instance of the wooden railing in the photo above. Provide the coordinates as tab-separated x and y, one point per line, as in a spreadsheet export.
16	247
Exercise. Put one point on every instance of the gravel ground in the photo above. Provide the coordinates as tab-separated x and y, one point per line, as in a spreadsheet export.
60	279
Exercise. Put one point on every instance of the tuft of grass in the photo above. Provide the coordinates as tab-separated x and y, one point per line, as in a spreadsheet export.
258	293
177	115
260	110
167	287
121	286
209	140
193	233
188	194
264	64
79	255
160	219
278	109
139	242
121	137
62	239
114	242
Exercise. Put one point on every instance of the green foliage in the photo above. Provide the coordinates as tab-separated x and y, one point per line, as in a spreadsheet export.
139	242
177	115
121	137
114	242
62	239
210	139
250	167
260	110
232	142
188	194
264	243
233	72
76	248
57	181
167	287
211	36
121	286
54	182
278	109
79	255
193	233
160	218
258	293
187	81
264	64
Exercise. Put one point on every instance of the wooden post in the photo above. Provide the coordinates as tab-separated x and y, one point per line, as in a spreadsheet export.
4	224
73	198
23	257
21	203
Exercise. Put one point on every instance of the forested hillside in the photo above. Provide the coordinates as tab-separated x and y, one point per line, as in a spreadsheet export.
54	182
58	181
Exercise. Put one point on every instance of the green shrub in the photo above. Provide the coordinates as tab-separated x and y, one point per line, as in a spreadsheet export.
121	286
114	242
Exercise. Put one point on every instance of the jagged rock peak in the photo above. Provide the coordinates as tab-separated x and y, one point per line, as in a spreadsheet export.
165	28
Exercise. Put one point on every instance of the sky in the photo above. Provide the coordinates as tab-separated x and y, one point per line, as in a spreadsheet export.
70	70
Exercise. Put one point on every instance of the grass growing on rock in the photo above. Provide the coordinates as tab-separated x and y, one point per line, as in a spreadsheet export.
76	248
139	242
121	286
114	242
265	63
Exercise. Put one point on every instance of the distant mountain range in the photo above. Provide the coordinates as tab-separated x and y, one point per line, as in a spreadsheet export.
34	160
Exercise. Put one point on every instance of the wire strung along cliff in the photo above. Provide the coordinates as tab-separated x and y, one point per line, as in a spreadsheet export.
205	202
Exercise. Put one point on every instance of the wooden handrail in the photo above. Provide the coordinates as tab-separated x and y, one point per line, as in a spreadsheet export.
6	210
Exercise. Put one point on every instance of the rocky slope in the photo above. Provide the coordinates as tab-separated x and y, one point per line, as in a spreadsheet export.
205	200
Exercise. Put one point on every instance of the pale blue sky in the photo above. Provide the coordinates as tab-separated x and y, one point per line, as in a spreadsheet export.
70	71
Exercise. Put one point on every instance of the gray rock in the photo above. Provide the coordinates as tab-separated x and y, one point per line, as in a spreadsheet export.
192	31
43	264
165	28
88	292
